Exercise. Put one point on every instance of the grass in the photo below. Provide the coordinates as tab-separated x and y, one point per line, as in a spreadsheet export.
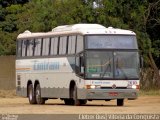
7	93
149	92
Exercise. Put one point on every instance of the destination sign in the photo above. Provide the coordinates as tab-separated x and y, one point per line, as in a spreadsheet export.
111	42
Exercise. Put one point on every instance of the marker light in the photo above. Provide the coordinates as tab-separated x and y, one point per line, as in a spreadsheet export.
135	87
92	86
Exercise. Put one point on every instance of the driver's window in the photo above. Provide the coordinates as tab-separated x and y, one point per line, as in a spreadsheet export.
80	65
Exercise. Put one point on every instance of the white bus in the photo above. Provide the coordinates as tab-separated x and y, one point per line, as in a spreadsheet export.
77	63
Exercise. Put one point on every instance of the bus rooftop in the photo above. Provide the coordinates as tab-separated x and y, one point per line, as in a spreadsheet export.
83	29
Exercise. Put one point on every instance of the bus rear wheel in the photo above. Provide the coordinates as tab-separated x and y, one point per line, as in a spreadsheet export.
31	95
120	102
39	99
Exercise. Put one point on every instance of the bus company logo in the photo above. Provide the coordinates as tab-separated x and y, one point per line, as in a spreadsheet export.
114	86
46	66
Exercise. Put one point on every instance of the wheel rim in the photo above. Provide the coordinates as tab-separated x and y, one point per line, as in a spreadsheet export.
74	95
30	94
38	96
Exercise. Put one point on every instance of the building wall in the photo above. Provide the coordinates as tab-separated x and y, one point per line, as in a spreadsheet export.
7	72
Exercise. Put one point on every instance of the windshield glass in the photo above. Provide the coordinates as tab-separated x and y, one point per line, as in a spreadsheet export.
112	65
99	64
126	65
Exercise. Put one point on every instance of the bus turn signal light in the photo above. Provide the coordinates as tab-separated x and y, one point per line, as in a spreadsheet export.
135	86
93	86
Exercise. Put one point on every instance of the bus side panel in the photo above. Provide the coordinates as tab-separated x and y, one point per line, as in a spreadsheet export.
54	76
23	73
21	85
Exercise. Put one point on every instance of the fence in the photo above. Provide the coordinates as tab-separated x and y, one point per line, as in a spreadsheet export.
7	72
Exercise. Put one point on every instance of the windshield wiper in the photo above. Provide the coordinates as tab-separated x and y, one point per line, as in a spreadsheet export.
107	67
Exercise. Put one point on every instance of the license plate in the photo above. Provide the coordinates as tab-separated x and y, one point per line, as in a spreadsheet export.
113	93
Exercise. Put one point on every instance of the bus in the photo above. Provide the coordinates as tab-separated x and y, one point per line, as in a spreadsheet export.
78	63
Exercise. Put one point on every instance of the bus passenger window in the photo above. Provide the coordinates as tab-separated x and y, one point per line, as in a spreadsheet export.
54	46
23	48
79	44
71	44
45	49
62	45
37	51
19	48
30	44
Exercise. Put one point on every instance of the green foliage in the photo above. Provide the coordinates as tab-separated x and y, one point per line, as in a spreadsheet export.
143	17
7	45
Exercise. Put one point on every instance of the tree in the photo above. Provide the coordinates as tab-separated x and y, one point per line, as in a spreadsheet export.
141	16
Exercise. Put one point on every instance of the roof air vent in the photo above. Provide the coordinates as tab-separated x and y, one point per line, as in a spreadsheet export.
110	27
27	32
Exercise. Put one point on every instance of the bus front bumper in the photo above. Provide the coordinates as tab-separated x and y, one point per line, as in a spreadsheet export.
107	94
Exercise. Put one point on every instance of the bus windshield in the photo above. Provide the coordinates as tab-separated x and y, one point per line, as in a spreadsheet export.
112	65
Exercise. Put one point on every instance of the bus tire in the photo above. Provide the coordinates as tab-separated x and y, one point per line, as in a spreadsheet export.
31	95
120	102
75	99
39	99
68	101
83	102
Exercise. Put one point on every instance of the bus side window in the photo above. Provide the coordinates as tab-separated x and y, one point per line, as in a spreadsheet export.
29	46
19	48
45	49
37	49
54	46
23	48
79	44
62	45
71	44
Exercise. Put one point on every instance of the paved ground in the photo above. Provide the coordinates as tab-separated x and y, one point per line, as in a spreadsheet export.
143	105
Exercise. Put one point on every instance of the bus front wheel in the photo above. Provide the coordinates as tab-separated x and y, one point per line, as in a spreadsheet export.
120	102
68	101
75	99
31	96
39	99
83	102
